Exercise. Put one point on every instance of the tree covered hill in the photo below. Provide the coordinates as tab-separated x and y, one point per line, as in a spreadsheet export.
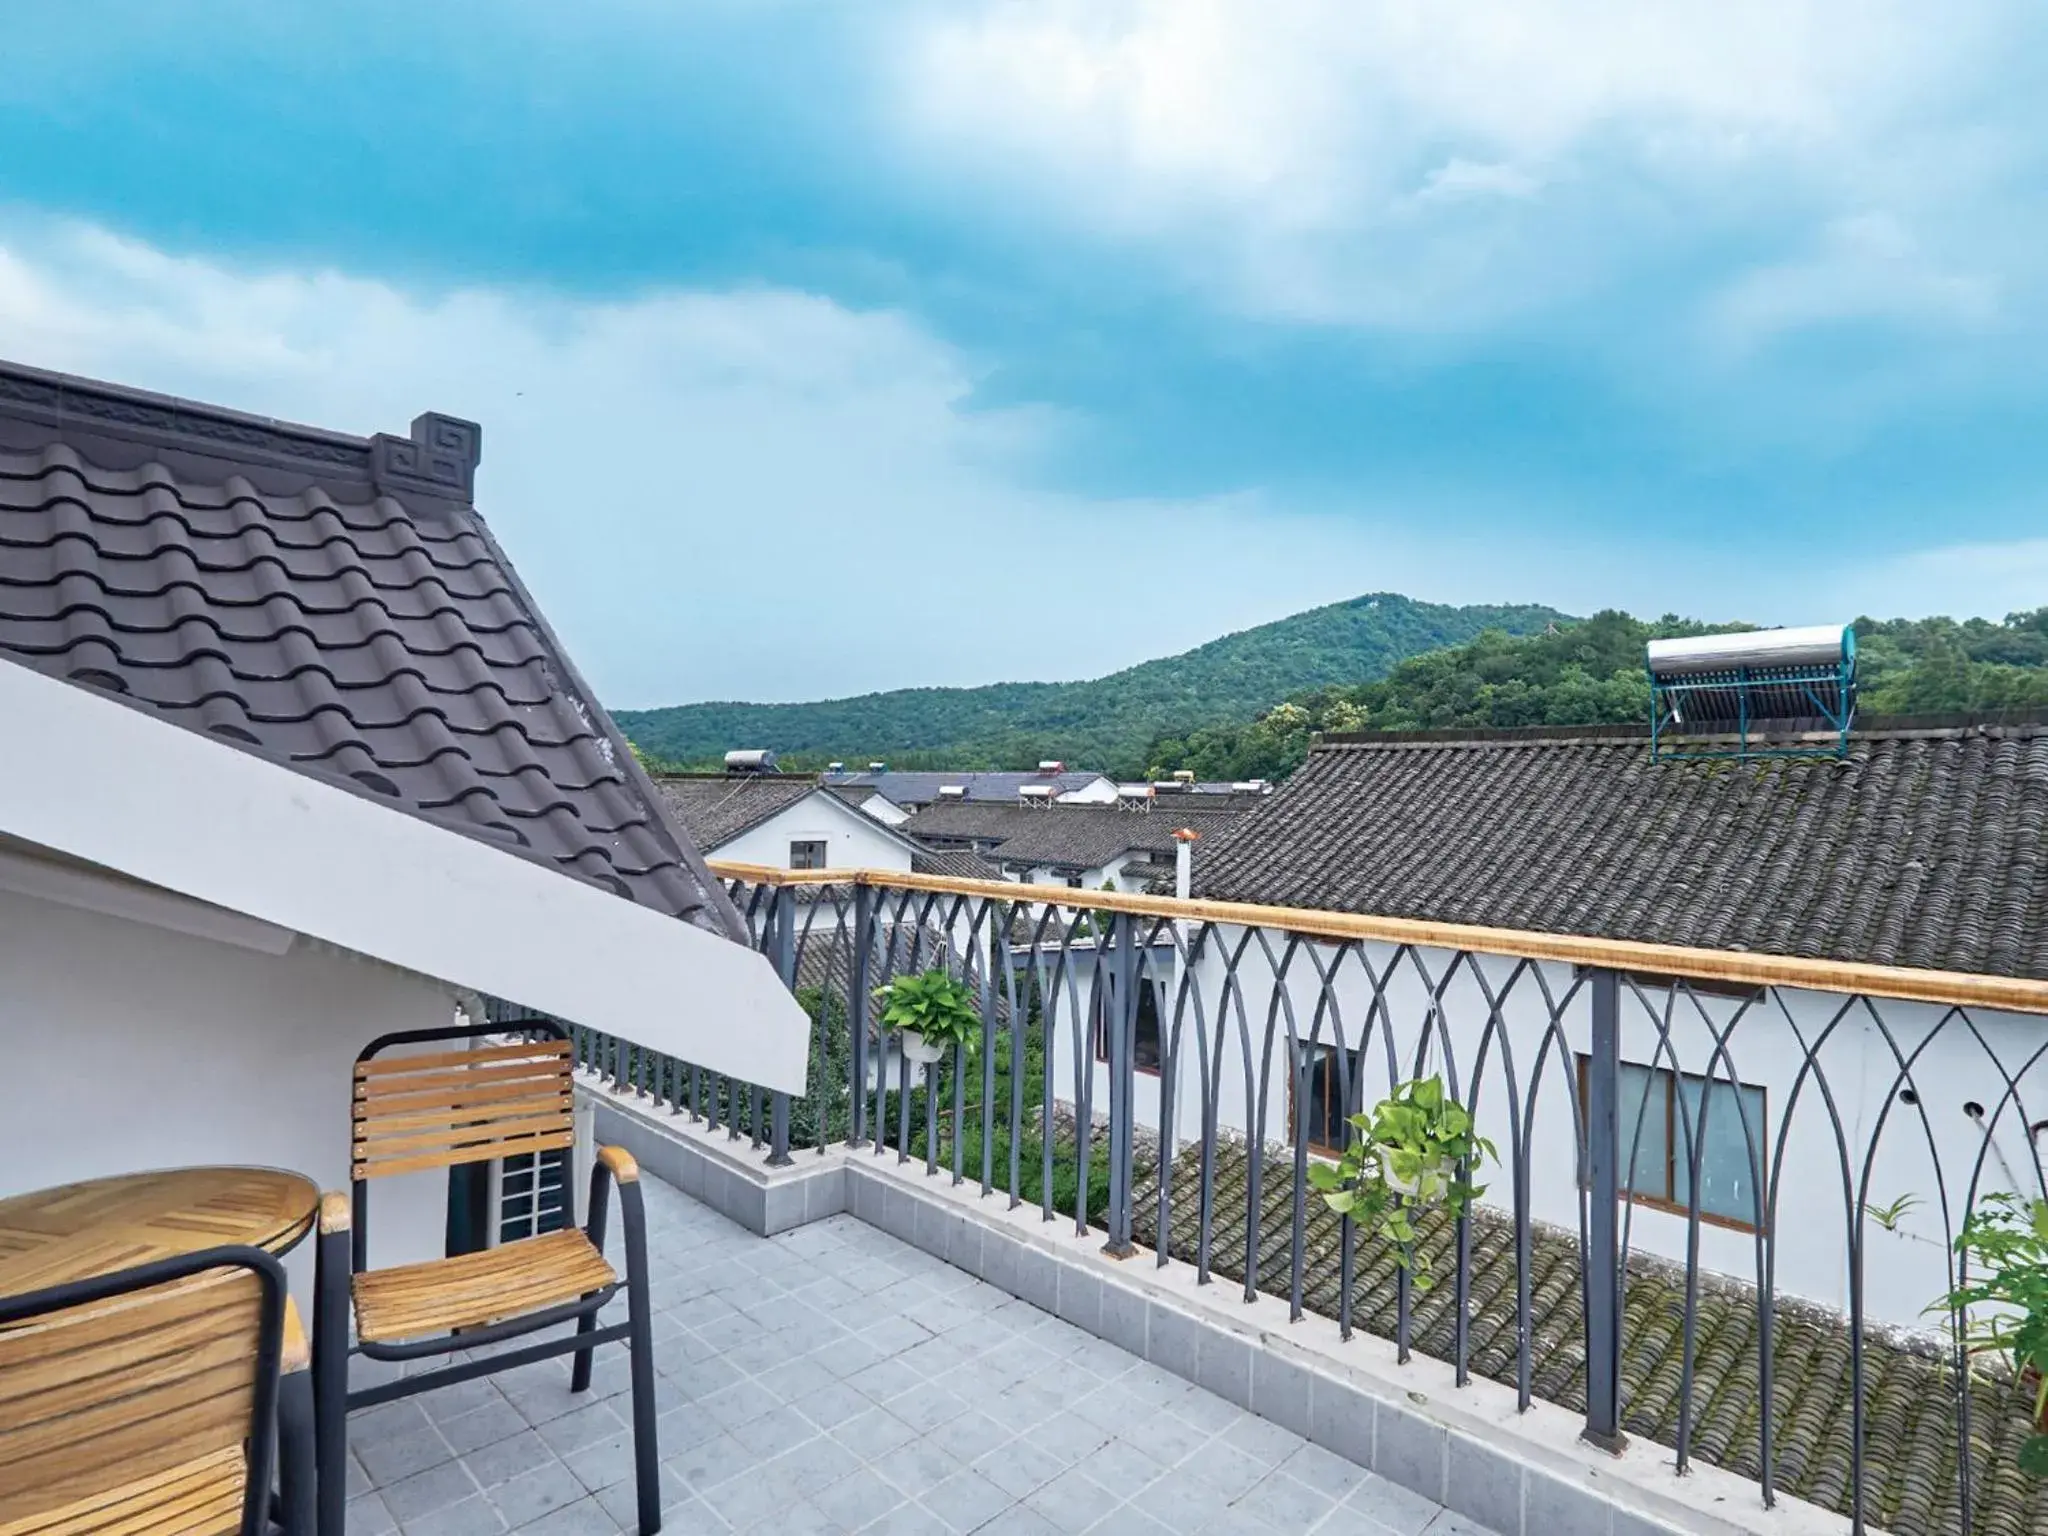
1107	722
1591	673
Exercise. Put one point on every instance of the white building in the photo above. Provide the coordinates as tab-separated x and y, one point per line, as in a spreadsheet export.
1918	850
782	821
293	762
1125	847
874	803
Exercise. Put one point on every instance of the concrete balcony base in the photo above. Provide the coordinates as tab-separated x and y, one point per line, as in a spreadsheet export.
1469	1448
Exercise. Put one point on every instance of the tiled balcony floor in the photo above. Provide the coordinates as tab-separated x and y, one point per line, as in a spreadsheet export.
837	1380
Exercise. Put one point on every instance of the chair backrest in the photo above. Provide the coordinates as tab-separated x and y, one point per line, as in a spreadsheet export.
446	1107
147	1391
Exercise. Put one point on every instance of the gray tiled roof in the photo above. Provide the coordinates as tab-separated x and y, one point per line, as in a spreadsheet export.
715	808
1927	846
329	602
996	785
1074	836
954	863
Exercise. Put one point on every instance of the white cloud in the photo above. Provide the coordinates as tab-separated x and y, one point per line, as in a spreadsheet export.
1458	177
1987	580
755	493
1862	268
1322	160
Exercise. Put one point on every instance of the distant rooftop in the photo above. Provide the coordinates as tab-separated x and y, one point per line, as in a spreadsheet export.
920	788
1064	836
1927	845
718	807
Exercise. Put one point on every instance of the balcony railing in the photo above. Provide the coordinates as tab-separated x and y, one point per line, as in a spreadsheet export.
1728	1192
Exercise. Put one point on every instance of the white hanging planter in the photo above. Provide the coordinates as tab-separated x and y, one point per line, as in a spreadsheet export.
916	1048
1431	1183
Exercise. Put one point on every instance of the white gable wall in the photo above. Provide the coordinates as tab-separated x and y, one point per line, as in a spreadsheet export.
130	1046
887	812
854	840
227	827
1097	791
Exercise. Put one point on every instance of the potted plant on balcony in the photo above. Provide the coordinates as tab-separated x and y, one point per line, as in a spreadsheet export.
1414	1151
929	1013
2005	1239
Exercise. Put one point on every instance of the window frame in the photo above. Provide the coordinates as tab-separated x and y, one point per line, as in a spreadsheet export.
824	854
1674	1140
1148	986
1324	1051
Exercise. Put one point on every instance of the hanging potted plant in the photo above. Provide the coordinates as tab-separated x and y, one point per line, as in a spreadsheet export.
1414	1151
929	1013
2005	1240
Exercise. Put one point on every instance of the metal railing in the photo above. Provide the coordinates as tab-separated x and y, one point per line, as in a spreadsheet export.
1729	1186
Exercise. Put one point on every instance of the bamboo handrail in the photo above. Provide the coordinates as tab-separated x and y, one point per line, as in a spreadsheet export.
1957	988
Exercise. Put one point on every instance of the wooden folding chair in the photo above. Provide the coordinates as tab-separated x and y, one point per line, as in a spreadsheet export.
430	1110
143	1402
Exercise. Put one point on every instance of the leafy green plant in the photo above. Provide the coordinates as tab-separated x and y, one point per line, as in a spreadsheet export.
1890	1216
1413	1151
934	1005
2006	1238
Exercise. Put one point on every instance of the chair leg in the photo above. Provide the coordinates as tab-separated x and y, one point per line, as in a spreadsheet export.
330	1384
579	1374
646	1449
640	1344
295	1476
593	1228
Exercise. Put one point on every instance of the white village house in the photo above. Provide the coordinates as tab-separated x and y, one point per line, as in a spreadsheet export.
1125	846
1924	847
783	821
293	761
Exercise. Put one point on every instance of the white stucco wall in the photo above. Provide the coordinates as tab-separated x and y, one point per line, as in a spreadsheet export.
1097	791
887	812
1811	1241
129	1047
855	840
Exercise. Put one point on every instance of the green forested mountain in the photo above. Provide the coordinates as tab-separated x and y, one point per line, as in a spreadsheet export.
1591	673
1105	723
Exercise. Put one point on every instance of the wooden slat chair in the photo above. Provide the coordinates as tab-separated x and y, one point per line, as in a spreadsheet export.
441	1109
143	1402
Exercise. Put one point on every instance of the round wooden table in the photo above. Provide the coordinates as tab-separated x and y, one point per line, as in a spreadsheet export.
76	1231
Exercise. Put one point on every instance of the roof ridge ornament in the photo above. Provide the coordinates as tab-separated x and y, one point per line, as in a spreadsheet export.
439	459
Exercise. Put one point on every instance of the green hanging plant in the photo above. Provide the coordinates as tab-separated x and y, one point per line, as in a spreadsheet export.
1413	1152
932	1012
2006	1240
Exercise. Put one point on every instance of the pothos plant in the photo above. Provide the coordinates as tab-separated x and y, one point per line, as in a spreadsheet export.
2005	1239
1414	1150
935	1007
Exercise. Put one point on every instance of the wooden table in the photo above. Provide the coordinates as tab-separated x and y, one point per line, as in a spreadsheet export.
76	1231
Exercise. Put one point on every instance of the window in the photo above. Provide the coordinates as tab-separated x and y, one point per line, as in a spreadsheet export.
1322	1104
1152	1010
1725	1124
1073	882
807	854
533	1194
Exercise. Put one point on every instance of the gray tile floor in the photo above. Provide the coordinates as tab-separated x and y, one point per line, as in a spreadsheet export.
837	1380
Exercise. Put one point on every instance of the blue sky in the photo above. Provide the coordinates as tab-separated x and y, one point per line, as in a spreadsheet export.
822	348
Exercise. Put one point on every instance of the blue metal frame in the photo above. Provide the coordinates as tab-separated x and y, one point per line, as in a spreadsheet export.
1830	691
